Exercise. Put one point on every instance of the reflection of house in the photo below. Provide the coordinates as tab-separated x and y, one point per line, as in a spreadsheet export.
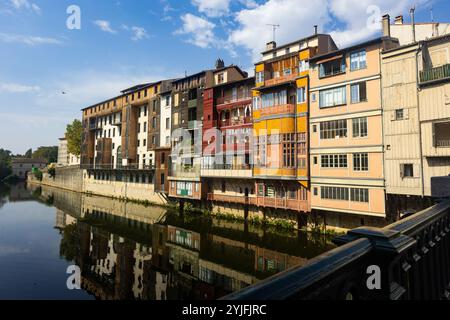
21	166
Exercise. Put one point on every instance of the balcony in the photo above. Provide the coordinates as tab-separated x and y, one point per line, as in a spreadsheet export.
192	103
280	80
231	199
186	171
235	121
435	74
227	171
222	101
284	203
117	121
277	110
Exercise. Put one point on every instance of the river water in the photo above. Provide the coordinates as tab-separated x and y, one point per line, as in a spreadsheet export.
52	240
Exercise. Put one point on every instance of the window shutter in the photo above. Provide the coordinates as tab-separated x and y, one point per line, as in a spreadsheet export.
402	171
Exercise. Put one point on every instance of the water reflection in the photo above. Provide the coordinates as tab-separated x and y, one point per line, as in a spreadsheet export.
128	251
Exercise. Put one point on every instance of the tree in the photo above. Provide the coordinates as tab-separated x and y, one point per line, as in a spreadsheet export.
48	153
73	135
28	154
5	163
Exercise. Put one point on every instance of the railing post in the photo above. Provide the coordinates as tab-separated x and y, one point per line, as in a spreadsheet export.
390	250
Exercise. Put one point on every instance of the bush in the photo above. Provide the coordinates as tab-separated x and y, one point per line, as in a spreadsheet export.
38	175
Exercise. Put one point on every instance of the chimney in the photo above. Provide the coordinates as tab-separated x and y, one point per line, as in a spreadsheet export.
271	45
398	20
413	24
386	24
315	30
220	64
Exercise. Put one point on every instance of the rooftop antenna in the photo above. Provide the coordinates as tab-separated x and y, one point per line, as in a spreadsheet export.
275	27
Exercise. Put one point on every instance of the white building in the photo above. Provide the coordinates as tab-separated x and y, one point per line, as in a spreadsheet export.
166	120
64	157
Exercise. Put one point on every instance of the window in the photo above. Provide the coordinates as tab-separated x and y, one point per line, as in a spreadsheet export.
139	127
274	99
313	97
361	162
303	66
220	78
260	77
407	170
145	111
359	92
145	126
289	150
334	193
153	140
358	60
167	101
359	128
332	97
154	123
315	160
399	114
167	123
316	191
359	195
287	72
145	143
301	95
334	161
332	68
256	103
333	129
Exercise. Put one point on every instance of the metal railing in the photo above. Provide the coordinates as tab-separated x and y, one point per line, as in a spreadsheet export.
412	257
435	74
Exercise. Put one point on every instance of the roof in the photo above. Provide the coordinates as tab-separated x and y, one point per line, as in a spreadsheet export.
251	79
351	48
191	76
294	42
27	160
243	73
139	87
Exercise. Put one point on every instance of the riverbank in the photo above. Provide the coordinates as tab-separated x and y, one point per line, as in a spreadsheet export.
79	180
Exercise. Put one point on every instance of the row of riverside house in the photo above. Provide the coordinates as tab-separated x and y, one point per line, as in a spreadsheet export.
353	135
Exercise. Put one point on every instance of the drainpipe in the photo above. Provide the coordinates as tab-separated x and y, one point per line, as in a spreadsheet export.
419	50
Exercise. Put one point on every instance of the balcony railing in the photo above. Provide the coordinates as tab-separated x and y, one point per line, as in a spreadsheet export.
280	109
435	74
284	203
241	199
192	103
281	79
131	167
230	100
442	143
227	167
238	121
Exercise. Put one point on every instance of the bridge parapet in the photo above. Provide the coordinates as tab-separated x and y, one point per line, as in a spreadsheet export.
408	260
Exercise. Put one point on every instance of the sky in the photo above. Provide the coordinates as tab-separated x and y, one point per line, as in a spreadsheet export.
54	62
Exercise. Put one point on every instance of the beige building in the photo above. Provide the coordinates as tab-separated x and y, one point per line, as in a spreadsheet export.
416	99
347	170
22	166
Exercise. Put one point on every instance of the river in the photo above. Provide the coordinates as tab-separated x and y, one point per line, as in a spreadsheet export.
124	251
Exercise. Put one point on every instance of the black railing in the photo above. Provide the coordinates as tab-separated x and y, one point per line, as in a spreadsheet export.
408	260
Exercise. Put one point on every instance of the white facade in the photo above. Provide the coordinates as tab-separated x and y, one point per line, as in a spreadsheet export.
423	31
145	157
109	129
64	157
166	120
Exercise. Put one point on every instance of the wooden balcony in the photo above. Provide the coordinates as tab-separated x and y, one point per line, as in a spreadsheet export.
280	80
280	109
284	203
224	101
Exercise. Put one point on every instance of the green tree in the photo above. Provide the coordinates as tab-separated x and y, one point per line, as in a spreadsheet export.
73	135
5	163
48	153
29	154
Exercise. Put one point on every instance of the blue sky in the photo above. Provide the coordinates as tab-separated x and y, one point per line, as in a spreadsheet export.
125	42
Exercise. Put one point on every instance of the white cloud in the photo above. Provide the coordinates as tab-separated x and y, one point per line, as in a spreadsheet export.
104	26
17	88
346	20
139	33
25	4
28	40
295	17
213	8
200	31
